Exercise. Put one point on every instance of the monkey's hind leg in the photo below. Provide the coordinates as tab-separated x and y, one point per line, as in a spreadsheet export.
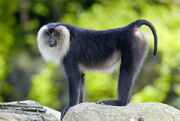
132	59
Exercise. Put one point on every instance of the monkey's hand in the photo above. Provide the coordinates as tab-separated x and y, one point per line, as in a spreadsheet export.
63	112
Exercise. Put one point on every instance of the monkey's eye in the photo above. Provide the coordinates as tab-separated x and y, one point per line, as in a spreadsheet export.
47	33
56	34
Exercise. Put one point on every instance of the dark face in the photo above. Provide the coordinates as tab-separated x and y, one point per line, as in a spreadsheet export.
52	42
53	34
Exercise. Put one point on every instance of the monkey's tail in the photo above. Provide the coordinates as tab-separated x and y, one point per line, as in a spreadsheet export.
138	23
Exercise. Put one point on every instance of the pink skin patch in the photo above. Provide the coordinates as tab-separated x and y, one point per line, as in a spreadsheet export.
135	29
136	33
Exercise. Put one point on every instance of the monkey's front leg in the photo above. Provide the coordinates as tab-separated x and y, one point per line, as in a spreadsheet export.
76	81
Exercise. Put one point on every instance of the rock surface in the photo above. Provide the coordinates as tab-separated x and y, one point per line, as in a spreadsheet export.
32	111
131	112
27	111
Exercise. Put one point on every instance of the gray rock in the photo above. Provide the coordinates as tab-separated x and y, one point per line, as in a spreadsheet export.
131	112
32	111
27	111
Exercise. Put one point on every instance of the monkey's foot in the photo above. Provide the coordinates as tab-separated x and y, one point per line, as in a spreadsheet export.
63	112
111	102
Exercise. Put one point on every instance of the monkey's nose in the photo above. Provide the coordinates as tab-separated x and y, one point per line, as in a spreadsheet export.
52	42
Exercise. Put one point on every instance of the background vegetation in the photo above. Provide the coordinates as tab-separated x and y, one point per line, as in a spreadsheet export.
24	75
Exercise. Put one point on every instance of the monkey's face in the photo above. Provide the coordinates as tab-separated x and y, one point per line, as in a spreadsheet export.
54	36
51	36
53	41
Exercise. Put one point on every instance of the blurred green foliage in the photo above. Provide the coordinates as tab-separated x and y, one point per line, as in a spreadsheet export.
7	21
103	86
44	89
24	75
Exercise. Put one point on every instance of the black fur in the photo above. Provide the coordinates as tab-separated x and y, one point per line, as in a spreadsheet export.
91	47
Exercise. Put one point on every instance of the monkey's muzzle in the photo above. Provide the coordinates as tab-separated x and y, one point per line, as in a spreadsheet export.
52	42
